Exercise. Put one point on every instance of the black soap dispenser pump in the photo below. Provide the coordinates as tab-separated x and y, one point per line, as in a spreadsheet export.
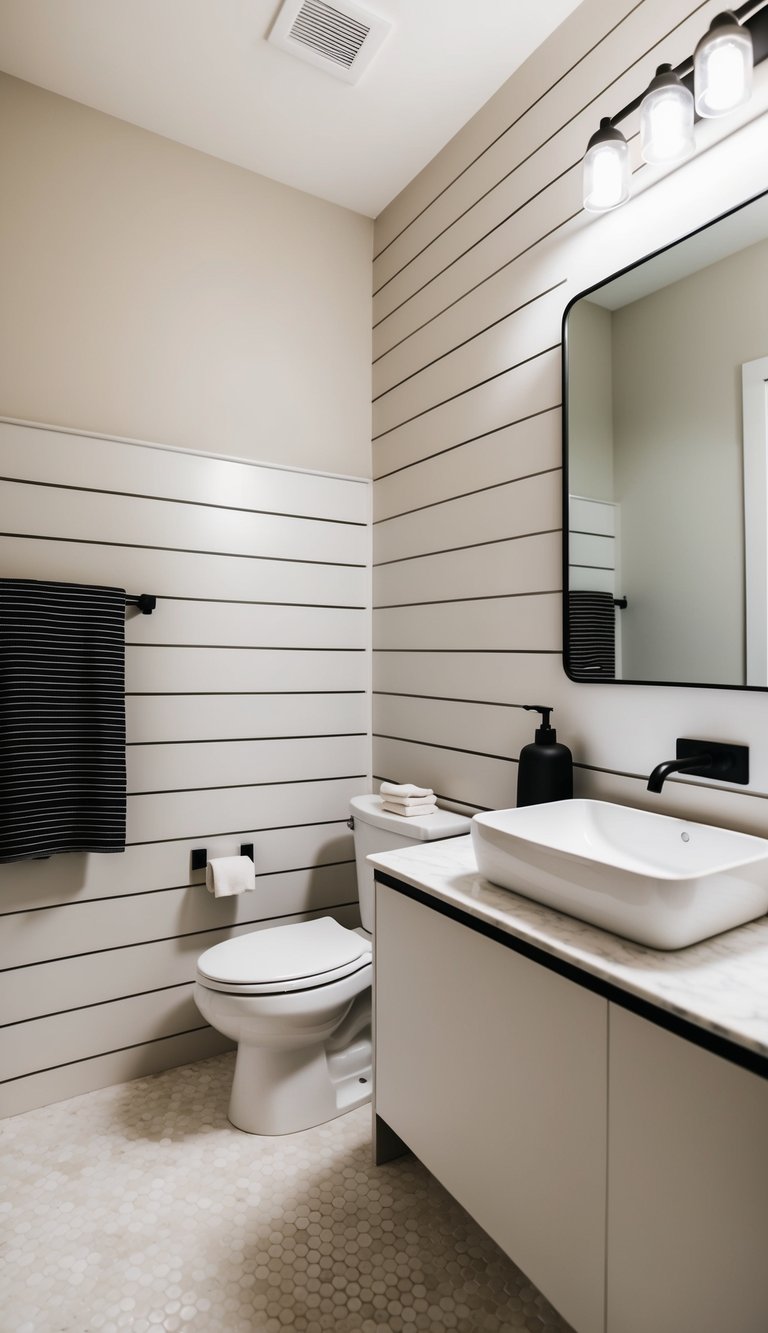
545	769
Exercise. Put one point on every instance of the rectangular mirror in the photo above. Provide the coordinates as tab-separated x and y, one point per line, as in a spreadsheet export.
665	416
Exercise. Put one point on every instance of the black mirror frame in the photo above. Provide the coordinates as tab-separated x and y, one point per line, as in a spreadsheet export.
579	680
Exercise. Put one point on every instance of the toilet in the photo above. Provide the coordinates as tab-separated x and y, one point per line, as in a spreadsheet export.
297	998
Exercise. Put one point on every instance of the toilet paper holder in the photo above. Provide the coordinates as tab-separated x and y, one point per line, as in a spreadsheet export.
199	855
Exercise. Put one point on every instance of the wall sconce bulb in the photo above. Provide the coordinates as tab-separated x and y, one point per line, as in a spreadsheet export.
606	169
722	67
666	119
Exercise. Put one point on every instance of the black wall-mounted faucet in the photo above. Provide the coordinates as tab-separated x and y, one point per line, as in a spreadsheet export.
705	759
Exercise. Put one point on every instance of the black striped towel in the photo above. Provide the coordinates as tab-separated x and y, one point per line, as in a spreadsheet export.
62	719
592	635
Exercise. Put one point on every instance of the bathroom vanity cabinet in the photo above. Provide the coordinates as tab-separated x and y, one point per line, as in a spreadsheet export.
687	1216
621	1165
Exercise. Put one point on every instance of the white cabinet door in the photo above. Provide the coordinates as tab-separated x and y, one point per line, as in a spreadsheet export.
688	1187
492	1069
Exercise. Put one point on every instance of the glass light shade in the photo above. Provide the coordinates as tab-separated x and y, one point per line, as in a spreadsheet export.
666	119
722	67
606	170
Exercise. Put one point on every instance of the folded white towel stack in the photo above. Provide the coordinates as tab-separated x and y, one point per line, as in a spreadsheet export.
405	790
424	808
227	875
407	799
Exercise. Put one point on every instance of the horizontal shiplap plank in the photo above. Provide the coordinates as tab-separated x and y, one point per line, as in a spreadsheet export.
522	392
517	450
506	678
103	1071
76	982
167	717
194	814
113	923
522	624
44	1042
518	507
33	992
454	775
165	525
591	580
586	549
158	670
484	728
183	573
513	341
522	564
155	768
595	516
59	457
148	867
215	623
472	319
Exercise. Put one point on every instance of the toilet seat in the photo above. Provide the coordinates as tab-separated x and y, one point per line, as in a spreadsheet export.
298	957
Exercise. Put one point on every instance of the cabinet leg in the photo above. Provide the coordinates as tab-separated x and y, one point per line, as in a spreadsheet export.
387	1145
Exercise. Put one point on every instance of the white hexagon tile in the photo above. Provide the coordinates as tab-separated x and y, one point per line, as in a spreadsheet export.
140	1207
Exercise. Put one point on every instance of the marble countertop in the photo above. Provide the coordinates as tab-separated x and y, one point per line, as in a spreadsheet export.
720	984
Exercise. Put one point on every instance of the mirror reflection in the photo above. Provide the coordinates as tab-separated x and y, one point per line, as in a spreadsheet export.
666	423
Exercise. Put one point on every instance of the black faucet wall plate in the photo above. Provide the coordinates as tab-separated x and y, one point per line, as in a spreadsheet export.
730	762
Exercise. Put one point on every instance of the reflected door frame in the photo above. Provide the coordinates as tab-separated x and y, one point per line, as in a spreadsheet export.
754	388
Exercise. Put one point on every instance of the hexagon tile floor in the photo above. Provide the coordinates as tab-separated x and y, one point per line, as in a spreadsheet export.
140	1207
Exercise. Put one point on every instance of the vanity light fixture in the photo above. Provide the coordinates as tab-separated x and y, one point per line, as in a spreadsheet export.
716	79
722	66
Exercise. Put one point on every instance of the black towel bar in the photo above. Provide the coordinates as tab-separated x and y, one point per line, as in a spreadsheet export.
145	602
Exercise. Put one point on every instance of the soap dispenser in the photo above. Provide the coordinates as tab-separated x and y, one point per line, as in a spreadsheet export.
545	769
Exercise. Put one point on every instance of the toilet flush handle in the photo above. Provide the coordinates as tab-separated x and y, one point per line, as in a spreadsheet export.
351	822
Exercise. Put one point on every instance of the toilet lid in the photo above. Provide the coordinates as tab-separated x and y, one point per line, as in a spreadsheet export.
285	955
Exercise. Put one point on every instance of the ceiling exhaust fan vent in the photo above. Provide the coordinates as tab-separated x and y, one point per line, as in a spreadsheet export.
342	39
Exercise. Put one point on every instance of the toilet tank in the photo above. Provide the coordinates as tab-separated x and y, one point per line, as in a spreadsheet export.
377	830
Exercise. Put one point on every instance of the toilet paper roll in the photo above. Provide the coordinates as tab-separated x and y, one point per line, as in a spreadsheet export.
227	875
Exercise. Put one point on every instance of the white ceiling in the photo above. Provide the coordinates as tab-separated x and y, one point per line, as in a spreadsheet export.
201	72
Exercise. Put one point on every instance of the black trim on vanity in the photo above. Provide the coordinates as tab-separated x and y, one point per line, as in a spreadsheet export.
663	1018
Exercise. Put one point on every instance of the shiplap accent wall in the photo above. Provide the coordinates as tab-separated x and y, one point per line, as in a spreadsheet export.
475	264
248	721
592	545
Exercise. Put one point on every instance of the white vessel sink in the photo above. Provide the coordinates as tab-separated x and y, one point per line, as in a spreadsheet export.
660	881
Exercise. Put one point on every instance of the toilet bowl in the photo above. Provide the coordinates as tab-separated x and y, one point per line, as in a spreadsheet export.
297	998
283	994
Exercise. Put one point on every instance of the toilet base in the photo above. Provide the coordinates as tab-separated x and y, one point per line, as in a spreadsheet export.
303	1057
284	1091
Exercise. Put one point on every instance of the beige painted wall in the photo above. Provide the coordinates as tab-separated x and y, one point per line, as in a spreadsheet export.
150	291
